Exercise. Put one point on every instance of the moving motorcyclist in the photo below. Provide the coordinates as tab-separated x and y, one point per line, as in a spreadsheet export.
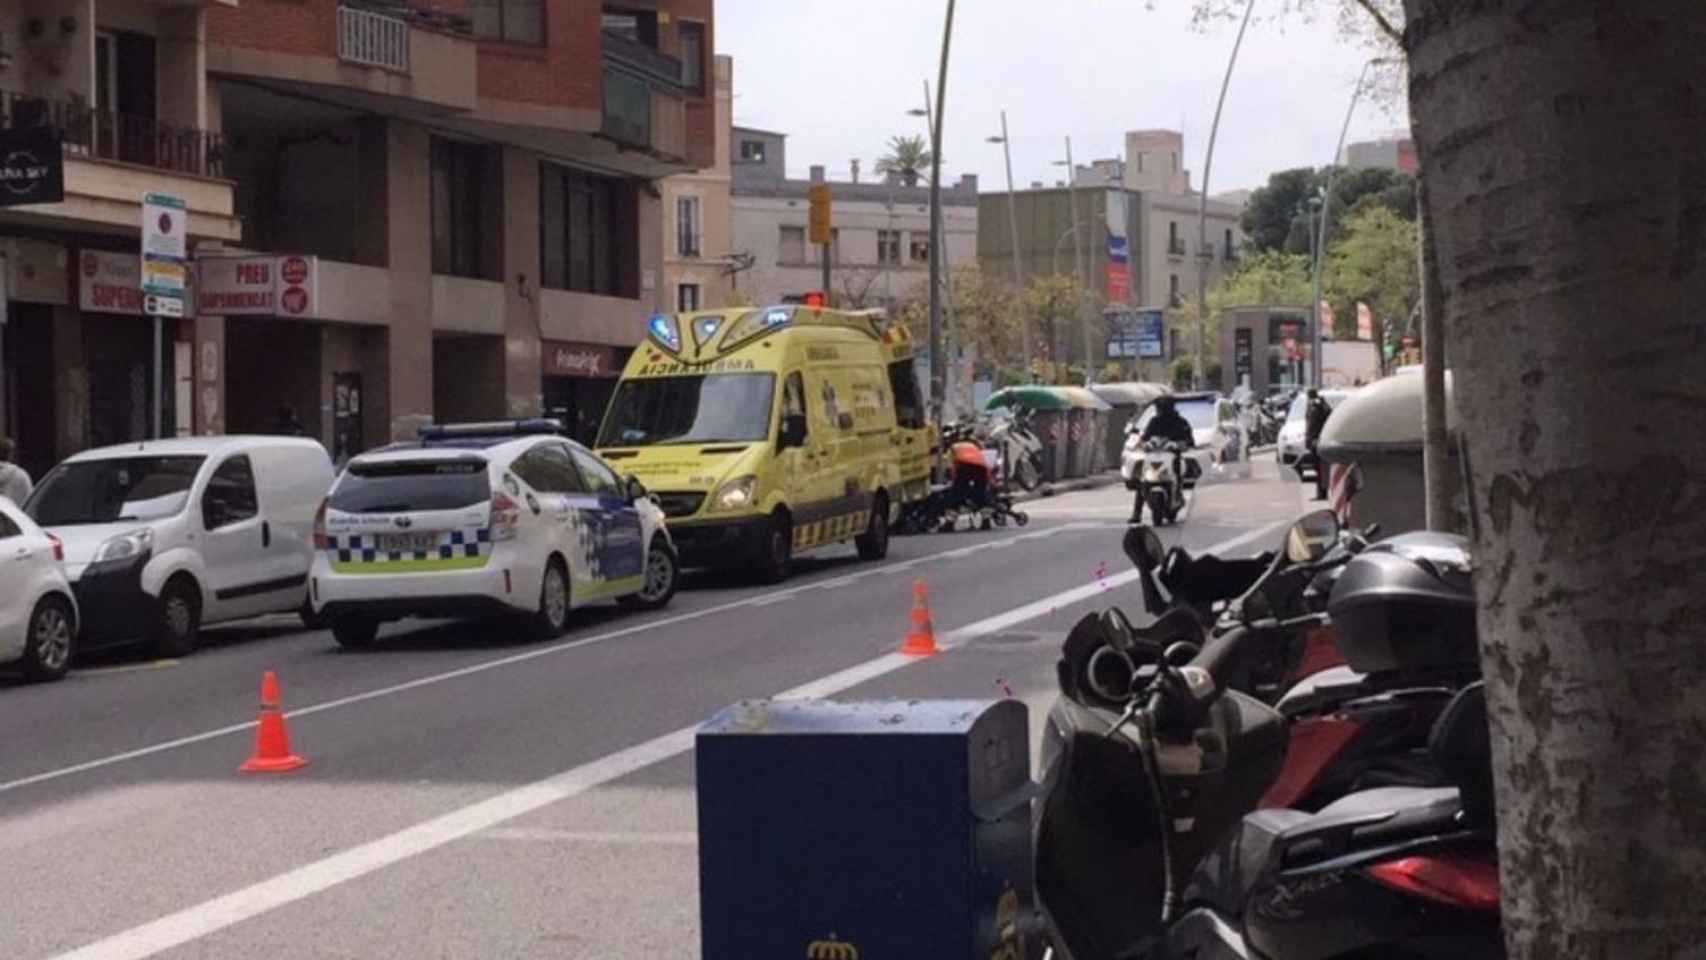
1168	425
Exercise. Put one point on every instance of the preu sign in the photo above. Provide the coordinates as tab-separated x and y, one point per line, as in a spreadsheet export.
32	167
256	286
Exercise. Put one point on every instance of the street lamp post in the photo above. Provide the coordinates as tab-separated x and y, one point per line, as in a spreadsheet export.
1078	273
1320	238
1013	223
1202	202
937	361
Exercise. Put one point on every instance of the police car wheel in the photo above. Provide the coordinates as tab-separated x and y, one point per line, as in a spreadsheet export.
660	577
353	633
553	616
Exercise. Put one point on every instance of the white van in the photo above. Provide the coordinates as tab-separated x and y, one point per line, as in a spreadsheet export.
164	536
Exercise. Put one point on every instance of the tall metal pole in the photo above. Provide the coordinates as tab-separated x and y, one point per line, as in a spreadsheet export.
1321	229
1202	207
937	364
1018	268
1078	273
159	376
938	222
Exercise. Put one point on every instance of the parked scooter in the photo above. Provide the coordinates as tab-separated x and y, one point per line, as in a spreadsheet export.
1155	760
1018	449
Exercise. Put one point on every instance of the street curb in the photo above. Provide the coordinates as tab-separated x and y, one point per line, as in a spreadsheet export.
1073	485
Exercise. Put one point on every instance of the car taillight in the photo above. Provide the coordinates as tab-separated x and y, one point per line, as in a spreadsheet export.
1472	884
320	540
506	513
58	547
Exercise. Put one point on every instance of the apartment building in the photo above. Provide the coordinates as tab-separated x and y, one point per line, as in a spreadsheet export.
699	265
398	214
879	242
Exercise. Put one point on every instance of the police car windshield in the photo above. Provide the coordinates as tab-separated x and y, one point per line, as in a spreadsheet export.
714	408
405	486
113	490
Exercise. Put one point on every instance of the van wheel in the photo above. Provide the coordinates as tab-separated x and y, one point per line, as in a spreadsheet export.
176	631
553	616
353	633
310	619
873	544
776	561
48	640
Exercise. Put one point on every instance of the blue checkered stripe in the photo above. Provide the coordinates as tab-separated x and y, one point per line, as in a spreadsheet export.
364	547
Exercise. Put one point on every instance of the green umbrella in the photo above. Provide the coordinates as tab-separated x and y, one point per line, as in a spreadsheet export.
1030	397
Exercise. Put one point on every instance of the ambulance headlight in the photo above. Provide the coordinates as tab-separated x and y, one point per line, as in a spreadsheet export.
737	494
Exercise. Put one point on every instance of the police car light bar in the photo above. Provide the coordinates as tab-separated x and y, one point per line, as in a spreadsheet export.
493	428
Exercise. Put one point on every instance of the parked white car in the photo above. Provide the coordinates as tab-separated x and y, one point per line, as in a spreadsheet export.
165	536
38	614
485	519
1214	424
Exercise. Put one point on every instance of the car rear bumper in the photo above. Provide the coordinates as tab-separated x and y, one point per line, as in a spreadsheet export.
444	593
713	543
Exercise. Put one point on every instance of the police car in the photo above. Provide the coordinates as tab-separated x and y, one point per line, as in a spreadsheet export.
481	519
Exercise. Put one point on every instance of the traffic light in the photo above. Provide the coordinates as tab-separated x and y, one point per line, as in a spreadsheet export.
818	221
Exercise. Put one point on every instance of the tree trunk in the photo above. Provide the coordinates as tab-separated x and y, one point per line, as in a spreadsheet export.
1437	480
1568	197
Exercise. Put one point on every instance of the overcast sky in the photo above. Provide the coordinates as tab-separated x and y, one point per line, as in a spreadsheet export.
839	76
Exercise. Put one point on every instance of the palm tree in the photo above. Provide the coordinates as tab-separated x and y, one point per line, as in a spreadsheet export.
908	157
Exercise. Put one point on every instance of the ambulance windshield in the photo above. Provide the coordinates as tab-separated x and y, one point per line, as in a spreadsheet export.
713	408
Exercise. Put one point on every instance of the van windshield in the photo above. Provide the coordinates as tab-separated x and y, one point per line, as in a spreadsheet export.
114	490
714	408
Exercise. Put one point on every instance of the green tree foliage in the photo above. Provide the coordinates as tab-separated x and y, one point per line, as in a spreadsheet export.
1375	263
1277	217
909	157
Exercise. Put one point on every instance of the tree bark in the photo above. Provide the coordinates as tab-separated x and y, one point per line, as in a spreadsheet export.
1438	481
1568	197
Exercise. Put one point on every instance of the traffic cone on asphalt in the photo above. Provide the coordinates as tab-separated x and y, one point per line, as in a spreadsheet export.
921	639
272	742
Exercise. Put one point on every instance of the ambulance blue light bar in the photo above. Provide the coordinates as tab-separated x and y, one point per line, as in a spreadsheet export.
664	329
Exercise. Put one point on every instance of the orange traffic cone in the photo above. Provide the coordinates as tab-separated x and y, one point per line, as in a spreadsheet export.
921	640
272	742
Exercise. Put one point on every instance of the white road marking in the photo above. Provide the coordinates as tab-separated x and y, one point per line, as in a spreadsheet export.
613	838
760	601
211	916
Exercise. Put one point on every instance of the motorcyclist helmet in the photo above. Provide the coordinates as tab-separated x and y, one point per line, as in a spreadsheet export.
1407	604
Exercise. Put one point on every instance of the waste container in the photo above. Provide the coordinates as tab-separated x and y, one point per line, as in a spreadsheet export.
1081	435
830	831
1049	415
1126	400
1380	427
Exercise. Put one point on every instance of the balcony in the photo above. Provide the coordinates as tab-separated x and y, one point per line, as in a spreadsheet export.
112	159
1175	247
373	39
642	61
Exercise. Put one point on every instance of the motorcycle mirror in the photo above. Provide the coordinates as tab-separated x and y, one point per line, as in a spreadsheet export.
1109	674
1312	536
1143	548
1180	653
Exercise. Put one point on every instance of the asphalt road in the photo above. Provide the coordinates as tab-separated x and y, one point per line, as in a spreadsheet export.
471	796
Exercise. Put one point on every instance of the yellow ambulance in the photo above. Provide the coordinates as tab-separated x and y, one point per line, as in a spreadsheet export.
767	432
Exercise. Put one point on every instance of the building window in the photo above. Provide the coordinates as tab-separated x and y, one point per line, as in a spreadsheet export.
1175	243
687	226
888	246
752	151
513	21
1173	298
634	26
791	245
467	203
693	55
1230	253
920	252
588	233
687	297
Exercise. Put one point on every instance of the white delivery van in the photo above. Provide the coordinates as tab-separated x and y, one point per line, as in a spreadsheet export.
164	536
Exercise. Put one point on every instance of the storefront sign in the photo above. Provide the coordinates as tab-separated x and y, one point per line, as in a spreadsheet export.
109	282
257	286
32	167
564	359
